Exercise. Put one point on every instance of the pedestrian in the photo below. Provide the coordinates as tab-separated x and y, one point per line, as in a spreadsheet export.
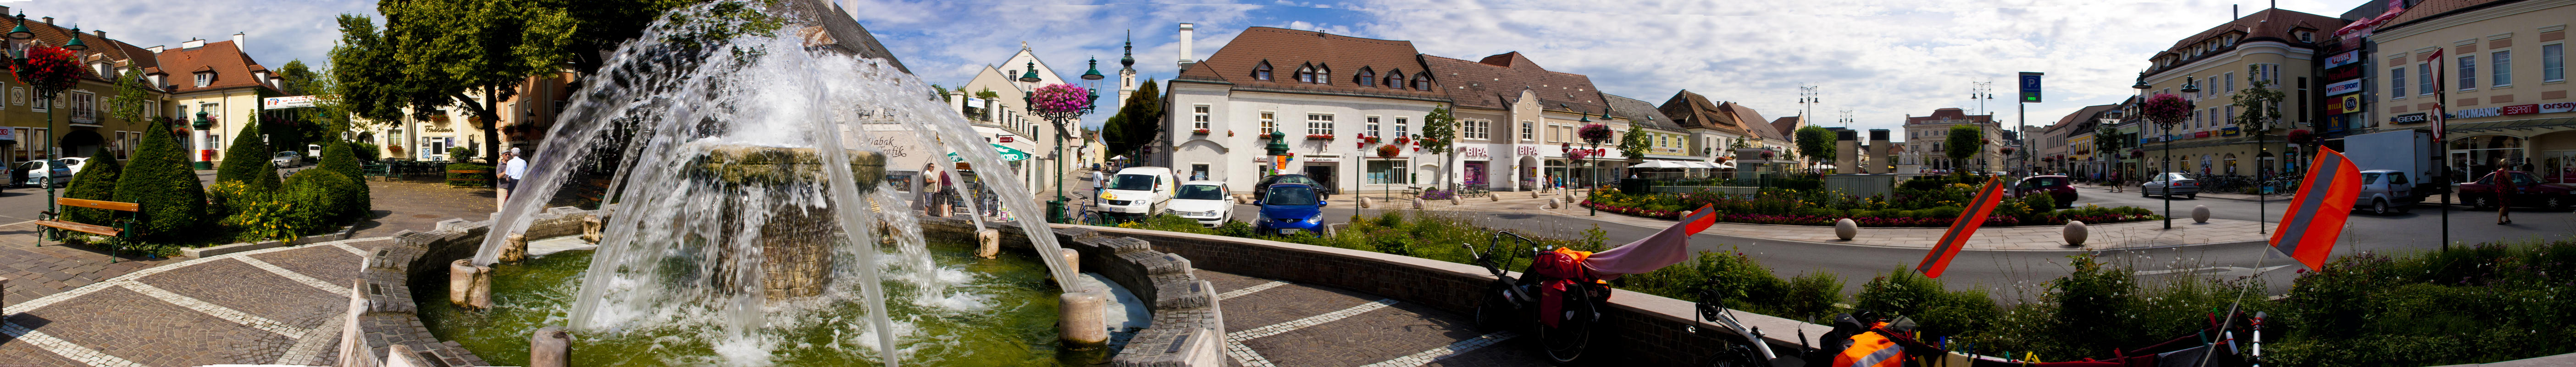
512	170
2504	186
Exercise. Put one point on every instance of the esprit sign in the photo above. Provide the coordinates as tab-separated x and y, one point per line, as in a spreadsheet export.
2519	110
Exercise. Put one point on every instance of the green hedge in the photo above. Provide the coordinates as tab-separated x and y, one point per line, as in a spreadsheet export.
338	157
96	181
247	158
319	200
2481	304
159	179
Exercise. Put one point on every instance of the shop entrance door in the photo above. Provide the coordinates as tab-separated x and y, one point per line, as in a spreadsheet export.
1323	174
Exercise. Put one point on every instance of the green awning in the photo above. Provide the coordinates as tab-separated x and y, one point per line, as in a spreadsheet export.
1008	154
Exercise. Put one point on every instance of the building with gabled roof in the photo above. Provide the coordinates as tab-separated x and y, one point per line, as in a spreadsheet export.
217	87
1926	140
995	103
2500	78
2274	46
77	120
1326	95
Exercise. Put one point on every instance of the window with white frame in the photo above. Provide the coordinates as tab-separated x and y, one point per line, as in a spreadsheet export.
2503	60
1269	122
2231	82
1373	126
2397	83
205	78
2424	74
1319	124
84	106
1476	129
1199	116
1529	130
2468	72
1399	128
2553	62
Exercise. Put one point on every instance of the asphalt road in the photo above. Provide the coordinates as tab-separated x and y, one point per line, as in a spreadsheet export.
2022	275
19	204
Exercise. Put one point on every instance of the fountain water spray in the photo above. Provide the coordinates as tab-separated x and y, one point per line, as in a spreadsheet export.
698	228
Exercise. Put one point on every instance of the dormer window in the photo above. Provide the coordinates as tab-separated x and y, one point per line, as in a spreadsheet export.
2231	41
205	78
1366	78
1422	81
1262	71
1323	74
1305	73
2305	36
1395	78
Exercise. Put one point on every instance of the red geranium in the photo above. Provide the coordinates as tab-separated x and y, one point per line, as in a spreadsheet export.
49	69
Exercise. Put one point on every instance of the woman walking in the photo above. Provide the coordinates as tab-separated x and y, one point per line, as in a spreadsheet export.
2504	186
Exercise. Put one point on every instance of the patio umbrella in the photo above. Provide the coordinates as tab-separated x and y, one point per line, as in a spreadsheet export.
1659	164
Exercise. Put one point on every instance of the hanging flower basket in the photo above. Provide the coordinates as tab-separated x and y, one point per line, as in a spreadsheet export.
1201	132
1724	159
1768	154
2137	153
49	69
1229	133
2301	136
2165	109
1369	139
1594	133
1060	101
1388	151
1319	136
2005	150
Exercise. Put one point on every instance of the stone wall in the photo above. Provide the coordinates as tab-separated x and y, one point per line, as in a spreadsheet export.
1643	329
419	259
1188	328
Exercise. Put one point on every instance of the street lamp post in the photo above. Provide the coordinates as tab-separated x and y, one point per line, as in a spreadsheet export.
47	85
1059	111
2188	86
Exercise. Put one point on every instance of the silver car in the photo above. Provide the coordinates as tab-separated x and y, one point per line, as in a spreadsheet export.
2386	191
287	159
2170	184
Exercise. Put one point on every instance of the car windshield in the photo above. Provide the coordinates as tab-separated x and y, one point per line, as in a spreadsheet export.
1289	195
1201	192
285	154
2045	182
1292	179
1132	182
2176	177
2369	178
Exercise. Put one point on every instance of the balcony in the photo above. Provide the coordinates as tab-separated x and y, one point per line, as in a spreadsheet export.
84	117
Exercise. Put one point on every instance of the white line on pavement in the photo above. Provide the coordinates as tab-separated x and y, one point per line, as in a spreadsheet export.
210	309
41	302
1249	290
1453	349
1283	327
292	275
63	348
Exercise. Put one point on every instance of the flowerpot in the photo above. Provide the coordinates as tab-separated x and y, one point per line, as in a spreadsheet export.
2075	233
1846	229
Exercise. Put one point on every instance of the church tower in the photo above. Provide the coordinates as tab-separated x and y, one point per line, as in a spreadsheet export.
1127	71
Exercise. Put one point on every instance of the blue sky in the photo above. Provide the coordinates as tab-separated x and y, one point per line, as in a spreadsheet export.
1880	59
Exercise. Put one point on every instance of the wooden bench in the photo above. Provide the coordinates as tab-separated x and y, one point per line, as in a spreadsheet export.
124	229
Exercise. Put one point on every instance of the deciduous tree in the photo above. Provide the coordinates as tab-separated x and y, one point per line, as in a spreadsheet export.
1439	133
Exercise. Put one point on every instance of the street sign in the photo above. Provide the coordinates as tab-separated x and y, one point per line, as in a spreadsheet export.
287	102
2030	86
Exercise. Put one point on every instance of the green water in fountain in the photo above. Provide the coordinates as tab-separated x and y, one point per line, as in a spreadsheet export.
1017	328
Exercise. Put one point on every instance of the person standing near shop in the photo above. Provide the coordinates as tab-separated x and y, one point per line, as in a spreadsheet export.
2504	189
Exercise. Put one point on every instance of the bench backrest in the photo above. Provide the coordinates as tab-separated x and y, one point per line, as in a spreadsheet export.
97	204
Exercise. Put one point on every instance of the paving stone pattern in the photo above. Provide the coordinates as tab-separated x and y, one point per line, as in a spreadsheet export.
1274	323
227	309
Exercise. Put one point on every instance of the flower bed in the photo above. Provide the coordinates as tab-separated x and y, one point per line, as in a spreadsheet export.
1924	202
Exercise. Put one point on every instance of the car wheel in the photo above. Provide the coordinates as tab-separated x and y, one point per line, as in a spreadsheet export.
2193	196
2480	202
2379	206
2554	203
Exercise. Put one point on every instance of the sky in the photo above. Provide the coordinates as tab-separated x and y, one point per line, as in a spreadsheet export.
1882	60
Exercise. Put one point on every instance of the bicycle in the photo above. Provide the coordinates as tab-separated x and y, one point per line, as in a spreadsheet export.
1552	280
1752	352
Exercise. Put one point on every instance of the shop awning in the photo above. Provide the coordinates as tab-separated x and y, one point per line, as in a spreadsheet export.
1659	164
1007	153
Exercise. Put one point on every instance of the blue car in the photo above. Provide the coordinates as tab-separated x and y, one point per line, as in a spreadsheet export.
1287	208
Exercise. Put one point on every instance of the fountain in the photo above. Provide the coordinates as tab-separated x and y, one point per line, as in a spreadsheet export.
735	237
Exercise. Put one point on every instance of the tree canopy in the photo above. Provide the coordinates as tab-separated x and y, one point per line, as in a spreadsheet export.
1964	142
1135	124
1815	143
1439	136
1634	144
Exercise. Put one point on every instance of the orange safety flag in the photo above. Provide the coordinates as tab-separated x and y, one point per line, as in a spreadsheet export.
1971	218
2316	215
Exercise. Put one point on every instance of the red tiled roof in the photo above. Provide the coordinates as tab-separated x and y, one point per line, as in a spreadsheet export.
2433	8
1949	114
1498	81
1287	49
232	68
1754	124
2082	114
1692	111
2273	23
1788	126
108	50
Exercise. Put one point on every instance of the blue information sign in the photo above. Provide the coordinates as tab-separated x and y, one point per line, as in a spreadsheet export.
2030	86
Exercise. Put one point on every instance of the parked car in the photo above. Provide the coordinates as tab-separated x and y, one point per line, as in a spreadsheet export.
1287	208
1202	201
2527	191
1137	192
33	173
2170	184
287	159
2386	191
1263	187
2056	187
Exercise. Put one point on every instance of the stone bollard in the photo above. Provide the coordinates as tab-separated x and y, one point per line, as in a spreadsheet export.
1846	229
1072	259
2200	214
1453	200
1417	203
2075	233
1533	194
988	242
1361	201
550	347
1552	203
460	283
590	228
1081	325
513	249
1493	197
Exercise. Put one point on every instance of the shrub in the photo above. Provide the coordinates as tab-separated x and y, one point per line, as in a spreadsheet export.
1741	281
1940	312
254	215
96	181
469	179
315	200
1234	229
159	180
364	151
244	157
2488	303
1812	296
338	158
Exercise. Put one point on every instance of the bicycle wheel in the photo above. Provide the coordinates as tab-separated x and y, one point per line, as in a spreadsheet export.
1573	332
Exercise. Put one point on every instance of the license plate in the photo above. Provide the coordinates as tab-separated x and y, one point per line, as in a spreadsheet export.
1287	231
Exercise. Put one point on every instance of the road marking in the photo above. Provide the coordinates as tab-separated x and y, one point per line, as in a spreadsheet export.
48	300
210	309
1251	289
1460	347
310	347
63	348
292	275
1244	355
353	250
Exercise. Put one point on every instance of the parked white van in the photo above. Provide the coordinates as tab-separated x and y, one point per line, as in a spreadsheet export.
1138	192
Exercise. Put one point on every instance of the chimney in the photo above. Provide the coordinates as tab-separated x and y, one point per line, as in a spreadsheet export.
156	49
49	20
101	34
238	38
1186	29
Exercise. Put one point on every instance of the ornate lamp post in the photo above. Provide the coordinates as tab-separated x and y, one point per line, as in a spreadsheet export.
1060	104
48	70
1593	134
2167	110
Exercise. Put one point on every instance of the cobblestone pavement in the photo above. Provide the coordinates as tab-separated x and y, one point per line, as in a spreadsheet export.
419	204
273	306
1275	323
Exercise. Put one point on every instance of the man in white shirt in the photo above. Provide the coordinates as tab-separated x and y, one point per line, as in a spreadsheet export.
513	168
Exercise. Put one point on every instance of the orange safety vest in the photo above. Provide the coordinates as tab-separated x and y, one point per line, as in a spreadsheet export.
1871	350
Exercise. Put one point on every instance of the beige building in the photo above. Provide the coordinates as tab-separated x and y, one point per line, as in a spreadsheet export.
1927	137
1002	117
2503	65
80	123
2273	45
216	87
